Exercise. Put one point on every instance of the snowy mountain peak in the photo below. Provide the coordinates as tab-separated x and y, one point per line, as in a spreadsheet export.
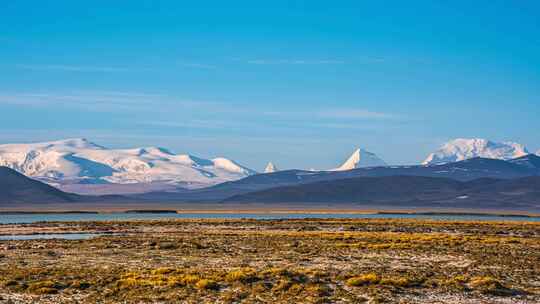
78	143
361	159
152	151
231	166
270	168
79	161
465	148
65	145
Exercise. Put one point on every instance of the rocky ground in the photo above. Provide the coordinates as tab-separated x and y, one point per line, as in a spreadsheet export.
278	261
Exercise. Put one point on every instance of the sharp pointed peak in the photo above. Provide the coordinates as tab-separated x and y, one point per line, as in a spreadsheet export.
361	158
270	168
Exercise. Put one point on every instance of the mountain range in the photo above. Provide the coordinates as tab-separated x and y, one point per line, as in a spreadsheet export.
83	167
76	164
397	191
463	171
149	175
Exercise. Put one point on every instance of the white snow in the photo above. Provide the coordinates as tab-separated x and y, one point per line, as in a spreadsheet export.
463	148
80	161
361	159
270	168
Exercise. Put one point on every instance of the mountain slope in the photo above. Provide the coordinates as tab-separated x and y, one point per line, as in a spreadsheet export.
409	191
361	159
530	161
17	188
80	162
463	149
360	189
466	170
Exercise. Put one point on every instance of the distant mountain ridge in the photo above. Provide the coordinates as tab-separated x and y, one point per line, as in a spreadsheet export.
80	162
407	191
80	166
517	187
467	170
463	149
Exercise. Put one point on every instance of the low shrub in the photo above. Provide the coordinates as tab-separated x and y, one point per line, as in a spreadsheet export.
242	275
366	279
490	285
207	284
44	287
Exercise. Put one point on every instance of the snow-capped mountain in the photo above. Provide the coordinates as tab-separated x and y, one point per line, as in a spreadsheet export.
270	168
463	148
361	159
78	161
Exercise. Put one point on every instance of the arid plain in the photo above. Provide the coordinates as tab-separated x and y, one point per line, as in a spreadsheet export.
273	261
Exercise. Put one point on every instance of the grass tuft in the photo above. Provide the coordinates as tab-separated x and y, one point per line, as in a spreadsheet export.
366	279
207	284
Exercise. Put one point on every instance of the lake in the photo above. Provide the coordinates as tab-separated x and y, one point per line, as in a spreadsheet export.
27	218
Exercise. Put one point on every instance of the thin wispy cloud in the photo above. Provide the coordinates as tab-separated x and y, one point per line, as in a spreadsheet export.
105	69
104	101
333	113
293	62
119	93
193	123
349	126
371	60
360	60
196	65
352	119
354	114
125	138
73	68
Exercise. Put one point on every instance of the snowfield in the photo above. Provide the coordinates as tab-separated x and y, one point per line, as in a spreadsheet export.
78	161
463	149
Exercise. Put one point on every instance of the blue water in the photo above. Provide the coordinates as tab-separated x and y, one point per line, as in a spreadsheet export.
37	217
64	236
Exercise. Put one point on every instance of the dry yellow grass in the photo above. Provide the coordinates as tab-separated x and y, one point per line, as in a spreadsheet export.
293	261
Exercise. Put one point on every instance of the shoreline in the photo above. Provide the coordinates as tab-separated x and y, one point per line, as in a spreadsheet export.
428	212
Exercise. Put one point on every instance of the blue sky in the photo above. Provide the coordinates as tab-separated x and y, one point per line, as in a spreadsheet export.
299	83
